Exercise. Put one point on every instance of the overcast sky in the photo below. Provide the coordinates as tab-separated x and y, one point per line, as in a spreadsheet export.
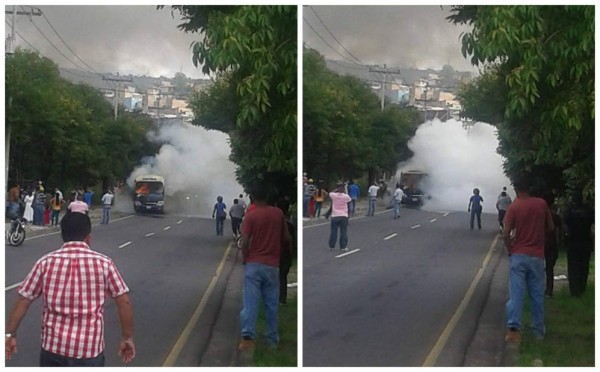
402	36
125	39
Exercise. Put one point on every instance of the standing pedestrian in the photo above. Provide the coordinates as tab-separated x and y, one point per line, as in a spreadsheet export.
221	214
242	201
551	246
73	296
288	250
107	199
236	213
87	196
397	199
319	196
475	208
373	189
78	205
578	223
28	215
38	206
56	204
339	217
263	232
354	193
502	205
530	218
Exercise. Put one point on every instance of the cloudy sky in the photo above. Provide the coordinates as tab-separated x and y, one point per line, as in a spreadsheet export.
126	39
400	36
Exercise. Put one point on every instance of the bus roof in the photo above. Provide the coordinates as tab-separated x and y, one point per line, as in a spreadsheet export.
150	178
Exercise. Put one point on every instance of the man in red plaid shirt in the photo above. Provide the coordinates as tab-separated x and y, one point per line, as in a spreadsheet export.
74	282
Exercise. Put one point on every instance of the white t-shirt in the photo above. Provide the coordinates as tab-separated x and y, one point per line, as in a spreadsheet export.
373	190
107	199
398	194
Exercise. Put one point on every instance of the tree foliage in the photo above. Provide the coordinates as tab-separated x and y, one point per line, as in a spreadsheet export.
65	134
345	134
538	88
252	51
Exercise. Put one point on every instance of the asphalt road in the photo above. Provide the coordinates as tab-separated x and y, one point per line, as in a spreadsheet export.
168	263
391	299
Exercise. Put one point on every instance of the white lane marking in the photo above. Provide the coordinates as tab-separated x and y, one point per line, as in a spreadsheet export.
179	222
390	236
415	226
441	342
167	228
12	286
58	232
149	234
445	214
435	219
125	244
347	253
187	331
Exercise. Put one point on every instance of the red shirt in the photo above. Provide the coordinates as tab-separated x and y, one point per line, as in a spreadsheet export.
530	217
74	282
264	227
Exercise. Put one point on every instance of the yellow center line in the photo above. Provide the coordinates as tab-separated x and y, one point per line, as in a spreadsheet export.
181	341
441	342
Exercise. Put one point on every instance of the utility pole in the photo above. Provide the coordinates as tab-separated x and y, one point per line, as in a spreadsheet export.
384	71
10	50
118	79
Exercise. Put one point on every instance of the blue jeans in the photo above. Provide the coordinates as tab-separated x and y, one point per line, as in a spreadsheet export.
318	209
48	359
220	223
371	210
38	214
105	214
305	201
54	217
396	208
526	272
342	224
476	211
260	282
352	207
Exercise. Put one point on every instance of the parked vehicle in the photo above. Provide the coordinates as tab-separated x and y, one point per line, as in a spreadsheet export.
15	235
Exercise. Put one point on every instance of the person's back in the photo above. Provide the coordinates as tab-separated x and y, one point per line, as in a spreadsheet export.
503	202
237	210
529	217
264	225
579	220
353	191
87	197
339	204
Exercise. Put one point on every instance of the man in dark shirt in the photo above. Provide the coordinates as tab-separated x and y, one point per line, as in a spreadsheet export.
578	222
263	232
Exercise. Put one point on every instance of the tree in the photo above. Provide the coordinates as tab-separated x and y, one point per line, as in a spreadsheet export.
62	133
252	52
181	84
539	88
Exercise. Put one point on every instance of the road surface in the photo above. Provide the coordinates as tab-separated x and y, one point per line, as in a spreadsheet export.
170	264
397	298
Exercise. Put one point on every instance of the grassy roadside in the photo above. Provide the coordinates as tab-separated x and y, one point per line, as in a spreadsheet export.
286	354
570	331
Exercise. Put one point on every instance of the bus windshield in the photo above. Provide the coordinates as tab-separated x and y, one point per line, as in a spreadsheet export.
145	188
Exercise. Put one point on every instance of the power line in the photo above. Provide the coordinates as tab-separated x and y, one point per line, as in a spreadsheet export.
54	46
22	38
326	43
333	36
67	45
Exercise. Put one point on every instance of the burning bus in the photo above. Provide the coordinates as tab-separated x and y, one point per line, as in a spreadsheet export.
149	194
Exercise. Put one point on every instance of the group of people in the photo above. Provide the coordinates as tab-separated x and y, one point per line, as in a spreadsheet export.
266	238
532	231
41	208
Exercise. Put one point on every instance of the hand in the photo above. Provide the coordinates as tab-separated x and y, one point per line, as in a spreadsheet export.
469	210
127	350
10	344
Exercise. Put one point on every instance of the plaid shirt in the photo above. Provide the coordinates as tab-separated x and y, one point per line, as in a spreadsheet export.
74	282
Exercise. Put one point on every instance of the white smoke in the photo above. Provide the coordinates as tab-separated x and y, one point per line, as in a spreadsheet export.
457	160
196	167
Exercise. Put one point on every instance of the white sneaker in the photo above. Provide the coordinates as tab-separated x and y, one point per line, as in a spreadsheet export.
344	250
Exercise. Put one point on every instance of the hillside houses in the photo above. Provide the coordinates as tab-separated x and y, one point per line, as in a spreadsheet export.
156	97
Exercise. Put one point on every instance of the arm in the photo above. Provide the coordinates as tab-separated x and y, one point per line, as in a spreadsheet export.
285	232
126	346
506	232
469	207
14	319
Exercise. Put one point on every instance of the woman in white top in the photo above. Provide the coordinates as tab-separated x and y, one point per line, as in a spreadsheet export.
28	214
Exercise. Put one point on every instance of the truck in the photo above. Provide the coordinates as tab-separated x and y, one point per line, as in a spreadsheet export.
413	182
149	194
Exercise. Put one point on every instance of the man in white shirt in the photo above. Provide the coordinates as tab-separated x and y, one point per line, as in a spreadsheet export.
106	203
398	195
372	198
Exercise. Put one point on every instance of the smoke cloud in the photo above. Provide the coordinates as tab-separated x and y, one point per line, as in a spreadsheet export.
196	167
457	160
